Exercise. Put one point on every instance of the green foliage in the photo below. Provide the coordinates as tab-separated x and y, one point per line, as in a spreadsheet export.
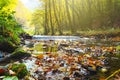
20	70
100	32
10	78
23	17
37	20
9	28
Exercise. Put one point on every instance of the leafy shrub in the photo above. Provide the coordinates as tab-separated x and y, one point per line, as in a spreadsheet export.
9	27
10	78
20	70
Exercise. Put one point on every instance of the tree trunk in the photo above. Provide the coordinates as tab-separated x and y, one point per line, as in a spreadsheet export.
51	22
68	16
56	18
46	19
73	17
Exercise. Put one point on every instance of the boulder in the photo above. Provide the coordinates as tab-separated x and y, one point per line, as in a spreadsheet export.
7	47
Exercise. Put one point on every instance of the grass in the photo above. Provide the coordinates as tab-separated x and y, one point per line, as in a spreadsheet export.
112	33
113	75
100	32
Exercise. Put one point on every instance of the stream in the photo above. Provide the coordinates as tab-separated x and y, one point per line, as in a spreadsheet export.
83	57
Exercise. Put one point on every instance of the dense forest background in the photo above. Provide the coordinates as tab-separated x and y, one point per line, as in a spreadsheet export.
62	17
74	16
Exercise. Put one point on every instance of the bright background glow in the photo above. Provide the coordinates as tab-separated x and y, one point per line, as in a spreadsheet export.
31	4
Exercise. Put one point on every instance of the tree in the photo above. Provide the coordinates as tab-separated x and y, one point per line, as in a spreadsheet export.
9	28
56	17
46	29
68	16
50	17
72	16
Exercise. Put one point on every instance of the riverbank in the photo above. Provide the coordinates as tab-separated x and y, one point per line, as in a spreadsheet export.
86	58
74	61
102	34
108	34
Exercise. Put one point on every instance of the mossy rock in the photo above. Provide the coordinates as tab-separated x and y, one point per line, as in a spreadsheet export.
19	53
7	47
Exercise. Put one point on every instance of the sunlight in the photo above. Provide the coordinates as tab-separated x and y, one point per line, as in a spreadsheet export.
31	4
60	39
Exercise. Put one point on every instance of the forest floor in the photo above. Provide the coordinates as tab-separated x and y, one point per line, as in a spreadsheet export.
108	35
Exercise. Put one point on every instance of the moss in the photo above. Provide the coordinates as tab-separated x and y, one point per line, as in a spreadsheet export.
39	47
118	47
19	53
20	70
